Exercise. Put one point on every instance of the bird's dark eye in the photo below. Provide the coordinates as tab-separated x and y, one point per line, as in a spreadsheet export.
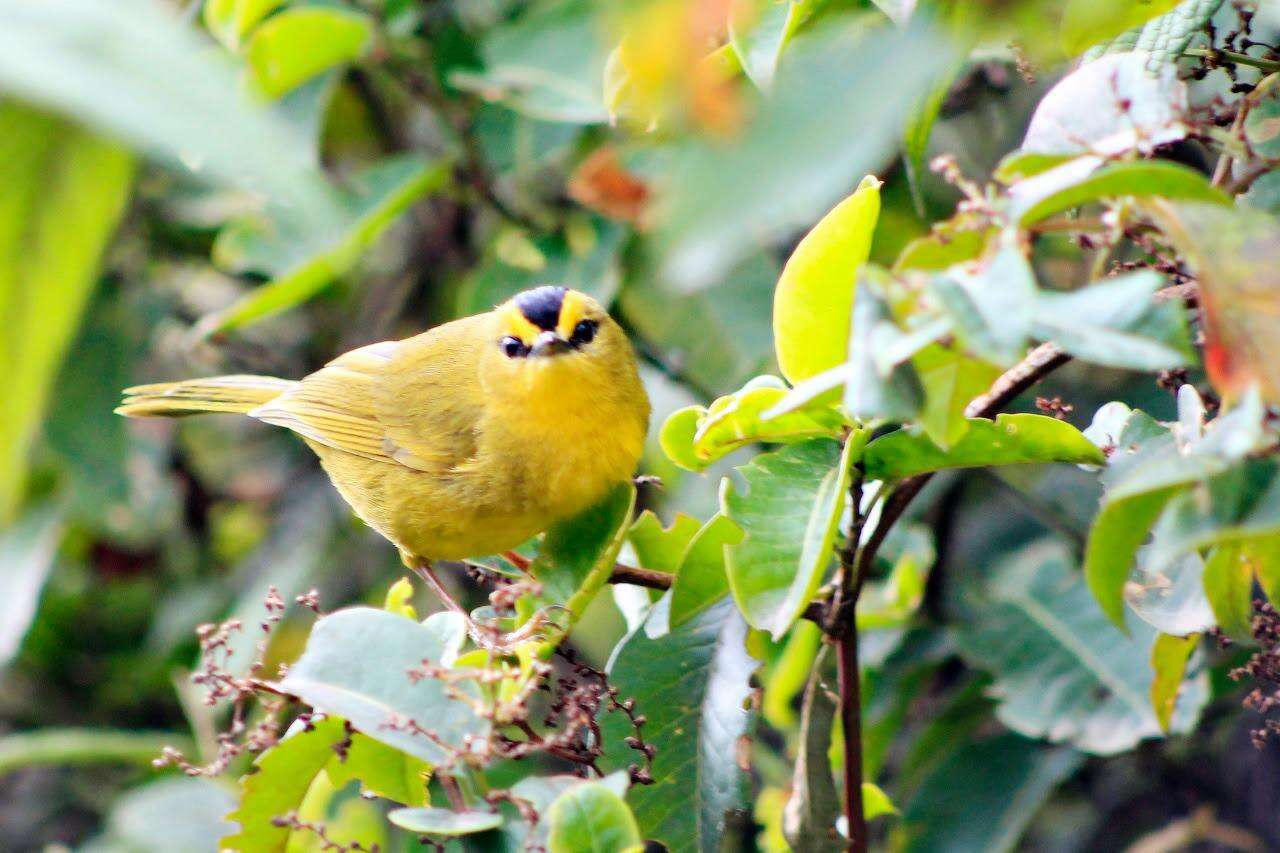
513	347
583	332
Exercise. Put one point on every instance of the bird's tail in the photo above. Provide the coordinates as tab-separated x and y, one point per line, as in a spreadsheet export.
237	394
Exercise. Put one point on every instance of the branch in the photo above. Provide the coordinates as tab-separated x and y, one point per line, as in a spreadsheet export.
1219	56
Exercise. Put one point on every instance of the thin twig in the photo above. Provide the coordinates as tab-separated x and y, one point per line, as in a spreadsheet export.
1220	56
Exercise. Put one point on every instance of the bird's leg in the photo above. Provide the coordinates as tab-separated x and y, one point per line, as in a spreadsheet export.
486	638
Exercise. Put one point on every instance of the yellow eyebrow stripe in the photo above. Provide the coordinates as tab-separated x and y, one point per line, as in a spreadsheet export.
515	323
571	311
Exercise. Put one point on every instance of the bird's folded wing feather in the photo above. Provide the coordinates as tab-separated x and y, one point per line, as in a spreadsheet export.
371	402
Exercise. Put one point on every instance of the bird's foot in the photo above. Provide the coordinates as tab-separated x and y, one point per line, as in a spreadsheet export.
486	637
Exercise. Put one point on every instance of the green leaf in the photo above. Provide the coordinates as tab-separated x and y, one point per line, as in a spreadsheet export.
1020	165
789	674
875	802
789	515
1008	440
333	676
759	31
813	303
577	556
1240	503
303	266
1061	671
1228	583
174	813
51	746
1117	323
920	128
280	779
872	390
1088	22
993	308
1264	556
948	243
229	21
661	548
64	193
1169	656
746	417
547	63
1120	528
676	437
950	379
591	818
1134	179
381	770
78	56
692	685
1162	40
303	42
809	819
702	578
1169	596
27	550
433	821
837	108
1006	779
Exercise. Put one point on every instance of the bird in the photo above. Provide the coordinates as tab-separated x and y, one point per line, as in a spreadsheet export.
465	440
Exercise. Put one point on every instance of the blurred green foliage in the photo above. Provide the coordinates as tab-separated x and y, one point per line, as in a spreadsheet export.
260	185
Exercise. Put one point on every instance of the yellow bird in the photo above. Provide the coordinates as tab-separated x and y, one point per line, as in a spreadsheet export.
462	441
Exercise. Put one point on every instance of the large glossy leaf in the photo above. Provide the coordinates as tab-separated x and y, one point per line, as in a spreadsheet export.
1240	504
1116	322
837	107
64	192
661	548
333	676
1061	671
304	264
304	41
703	578
1004	779
691	685
789	513
1169	595
813	302
591	818
1008	440
138	72
950	380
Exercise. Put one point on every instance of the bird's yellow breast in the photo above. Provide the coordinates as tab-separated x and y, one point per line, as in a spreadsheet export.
527	444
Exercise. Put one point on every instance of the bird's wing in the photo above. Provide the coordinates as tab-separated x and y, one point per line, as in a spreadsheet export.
380	402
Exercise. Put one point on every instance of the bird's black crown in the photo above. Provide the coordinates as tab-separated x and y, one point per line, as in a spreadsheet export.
541	306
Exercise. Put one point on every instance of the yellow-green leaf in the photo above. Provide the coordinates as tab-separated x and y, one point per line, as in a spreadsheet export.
229	21
299	43
1169	656
813	303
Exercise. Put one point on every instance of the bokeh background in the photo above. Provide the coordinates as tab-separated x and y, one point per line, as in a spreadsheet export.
191	189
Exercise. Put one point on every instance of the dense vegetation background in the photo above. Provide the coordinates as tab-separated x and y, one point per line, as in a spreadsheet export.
258	185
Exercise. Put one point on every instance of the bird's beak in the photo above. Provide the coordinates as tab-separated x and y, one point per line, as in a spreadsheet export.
549	343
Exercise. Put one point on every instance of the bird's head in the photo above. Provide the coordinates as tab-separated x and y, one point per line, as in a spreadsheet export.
550	342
